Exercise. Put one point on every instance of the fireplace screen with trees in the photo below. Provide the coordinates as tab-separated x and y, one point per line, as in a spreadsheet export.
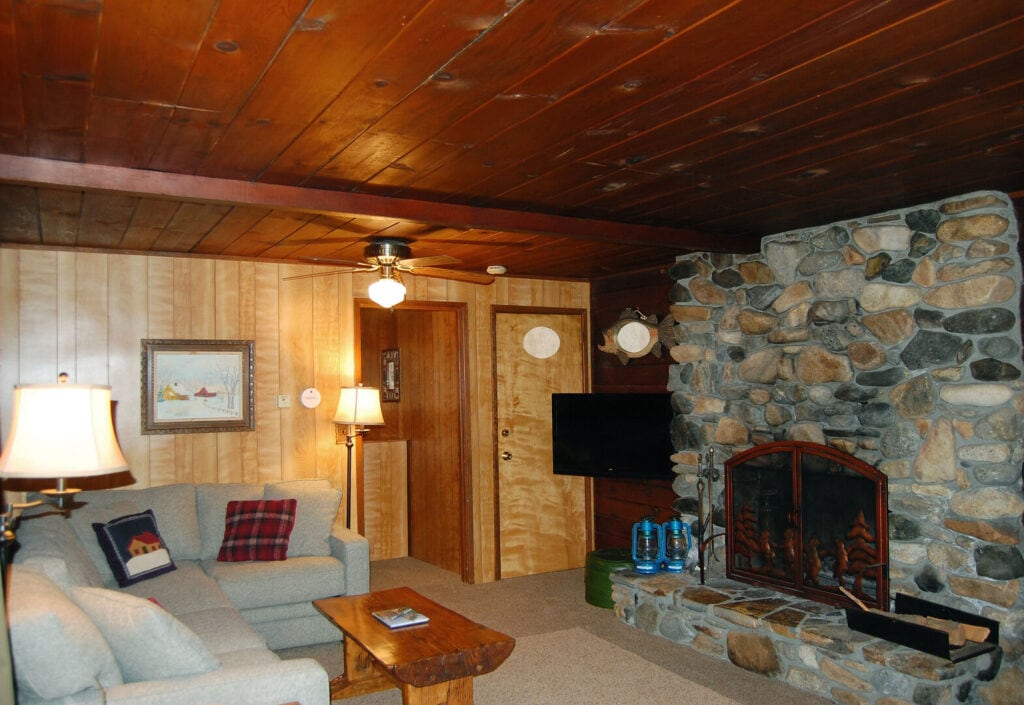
806	519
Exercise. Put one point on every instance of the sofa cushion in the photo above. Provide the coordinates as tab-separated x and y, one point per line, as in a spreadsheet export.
134	548
49	543
187	589
174	507
223	630
211	505
57	649
318	504
81	521
258	584
257	530
148	642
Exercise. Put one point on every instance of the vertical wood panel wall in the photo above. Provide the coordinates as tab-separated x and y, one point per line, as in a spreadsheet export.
85	313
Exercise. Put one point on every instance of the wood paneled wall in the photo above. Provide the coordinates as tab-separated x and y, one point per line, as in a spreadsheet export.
620	503
85	313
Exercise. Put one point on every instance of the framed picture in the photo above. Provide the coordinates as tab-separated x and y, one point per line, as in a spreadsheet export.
196	386
390	376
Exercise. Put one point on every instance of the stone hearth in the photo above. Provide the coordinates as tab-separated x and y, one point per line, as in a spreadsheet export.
803	643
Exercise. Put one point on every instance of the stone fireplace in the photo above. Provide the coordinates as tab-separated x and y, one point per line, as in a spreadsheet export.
894	338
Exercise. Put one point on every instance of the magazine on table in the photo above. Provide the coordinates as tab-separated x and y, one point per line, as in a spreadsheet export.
401	617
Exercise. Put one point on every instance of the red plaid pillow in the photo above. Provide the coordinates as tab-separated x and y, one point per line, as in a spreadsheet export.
257	530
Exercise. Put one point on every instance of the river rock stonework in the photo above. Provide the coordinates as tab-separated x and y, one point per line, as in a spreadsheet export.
895	338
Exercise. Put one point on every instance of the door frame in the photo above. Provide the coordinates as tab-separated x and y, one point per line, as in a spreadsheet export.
461	309
585	372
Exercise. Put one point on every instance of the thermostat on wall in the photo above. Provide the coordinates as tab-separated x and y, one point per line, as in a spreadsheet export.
310	398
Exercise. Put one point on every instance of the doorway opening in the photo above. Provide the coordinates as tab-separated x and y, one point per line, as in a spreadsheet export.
416	353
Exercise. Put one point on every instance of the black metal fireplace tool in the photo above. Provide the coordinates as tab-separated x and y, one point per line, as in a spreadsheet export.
705	520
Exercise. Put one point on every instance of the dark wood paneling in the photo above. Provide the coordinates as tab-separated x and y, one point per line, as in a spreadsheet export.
428	342
620	503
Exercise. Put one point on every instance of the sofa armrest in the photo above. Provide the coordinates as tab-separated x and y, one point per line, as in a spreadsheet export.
353	550
300	680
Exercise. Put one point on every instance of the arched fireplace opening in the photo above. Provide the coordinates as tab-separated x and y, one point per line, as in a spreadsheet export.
808	520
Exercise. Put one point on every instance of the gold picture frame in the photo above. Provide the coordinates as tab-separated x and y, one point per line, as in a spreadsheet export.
198	386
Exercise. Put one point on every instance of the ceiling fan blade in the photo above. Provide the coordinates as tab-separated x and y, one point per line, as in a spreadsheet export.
355	266
435	260
468	277
323	274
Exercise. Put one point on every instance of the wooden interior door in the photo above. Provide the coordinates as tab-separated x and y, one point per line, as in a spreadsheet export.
542	517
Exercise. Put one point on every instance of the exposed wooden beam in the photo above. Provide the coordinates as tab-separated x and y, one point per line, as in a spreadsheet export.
139	182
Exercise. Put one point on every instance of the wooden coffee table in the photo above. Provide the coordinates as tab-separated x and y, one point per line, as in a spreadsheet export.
432	663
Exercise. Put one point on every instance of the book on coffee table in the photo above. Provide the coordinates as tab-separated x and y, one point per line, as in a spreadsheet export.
401	617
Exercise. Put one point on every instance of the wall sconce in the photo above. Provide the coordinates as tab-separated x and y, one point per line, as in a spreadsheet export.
57	431
388	291
357	407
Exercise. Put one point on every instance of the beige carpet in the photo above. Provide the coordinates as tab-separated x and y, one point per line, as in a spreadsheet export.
555	669
568	651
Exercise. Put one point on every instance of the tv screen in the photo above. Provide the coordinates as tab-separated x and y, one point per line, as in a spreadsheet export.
612	435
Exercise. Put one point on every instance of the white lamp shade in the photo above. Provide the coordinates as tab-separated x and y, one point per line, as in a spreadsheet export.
61	430
386	292
359	406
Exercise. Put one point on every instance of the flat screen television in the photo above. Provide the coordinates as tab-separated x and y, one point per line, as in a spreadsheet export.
625	436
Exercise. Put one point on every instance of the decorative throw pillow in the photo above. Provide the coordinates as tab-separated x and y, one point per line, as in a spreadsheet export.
134	548
58	651
257	530
81	521
211	506
148	642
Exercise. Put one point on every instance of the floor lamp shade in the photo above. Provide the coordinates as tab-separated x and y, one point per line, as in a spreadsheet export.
60	431
359	406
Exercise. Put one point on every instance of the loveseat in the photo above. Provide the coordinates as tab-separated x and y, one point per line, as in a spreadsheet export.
184	615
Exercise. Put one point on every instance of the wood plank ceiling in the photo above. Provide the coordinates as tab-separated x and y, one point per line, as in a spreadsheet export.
560	138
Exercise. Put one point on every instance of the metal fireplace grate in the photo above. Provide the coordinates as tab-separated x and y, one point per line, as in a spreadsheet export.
808	520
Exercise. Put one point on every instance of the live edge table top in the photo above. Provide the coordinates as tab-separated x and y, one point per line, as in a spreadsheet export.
448	647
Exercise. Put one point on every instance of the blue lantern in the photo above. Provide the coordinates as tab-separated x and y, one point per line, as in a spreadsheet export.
648	541
677	543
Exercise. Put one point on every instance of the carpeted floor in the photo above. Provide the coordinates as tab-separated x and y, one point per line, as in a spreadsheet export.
568	651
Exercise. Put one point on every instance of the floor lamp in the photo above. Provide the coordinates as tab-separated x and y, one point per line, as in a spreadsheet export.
357	407
57	431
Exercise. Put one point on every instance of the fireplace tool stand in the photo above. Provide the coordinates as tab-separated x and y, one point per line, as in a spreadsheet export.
705	518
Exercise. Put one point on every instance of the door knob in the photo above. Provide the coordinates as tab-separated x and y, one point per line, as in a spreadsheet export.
506	455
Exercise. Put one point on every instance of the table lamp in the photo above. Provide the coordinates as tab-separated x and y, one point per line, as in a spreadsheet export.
357	407
57	431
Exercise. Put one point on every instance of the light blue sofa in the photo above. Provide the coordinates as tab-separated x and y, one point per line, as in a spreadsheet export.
203	632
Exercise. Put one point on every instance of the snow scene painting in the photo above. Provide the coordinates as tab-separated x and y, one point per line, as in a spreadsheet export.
194	386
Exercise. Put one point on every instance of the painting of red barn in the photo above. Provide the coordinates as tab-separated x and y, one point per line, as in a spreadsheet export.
192	386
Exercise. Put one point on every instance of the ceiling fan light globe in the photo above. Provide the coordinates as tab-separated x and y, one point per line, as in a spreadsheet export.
386	292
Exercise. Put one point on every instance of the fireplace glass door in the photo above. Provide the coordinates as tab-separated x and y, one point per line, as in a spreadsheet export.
806	519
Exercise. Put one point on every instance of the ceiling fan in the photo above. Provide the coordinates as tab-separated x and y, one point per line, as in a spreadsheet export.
392	256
